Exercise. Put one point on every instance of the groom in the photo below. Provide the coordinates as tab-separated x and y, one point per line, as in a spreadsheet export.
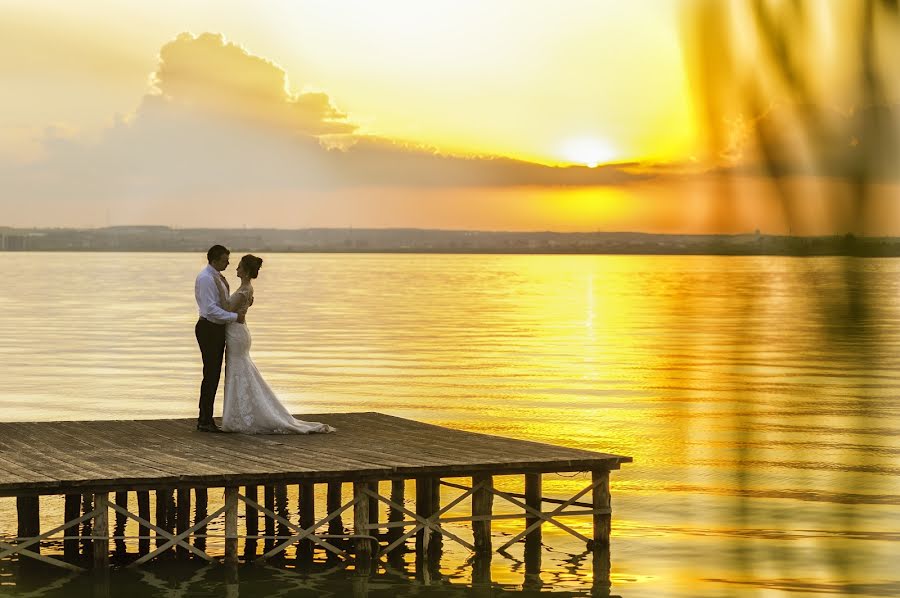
210	330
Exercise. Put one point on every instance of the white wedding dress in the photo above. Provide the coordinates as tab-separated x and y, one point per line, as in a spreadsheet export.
250	406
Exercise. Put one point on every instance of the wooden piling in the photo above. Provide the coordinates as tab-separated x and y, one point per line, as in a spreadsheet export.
424	506
436	542
333	502
307	513
533	498
171	511
87	505
601	500
101	532
281	507
363	546
231	519
398	496
374	508
183	517
482	506
201	510
162	504
251	515
268	522
28	509
119	530
601	584
481	572
71	512
143	499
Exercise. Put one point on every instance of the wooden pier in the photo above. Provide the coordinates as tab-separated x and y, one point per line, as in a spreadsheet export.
97	465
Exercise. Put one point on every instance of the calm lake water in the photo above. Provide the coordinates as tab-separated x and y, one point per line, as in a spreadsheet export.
757	395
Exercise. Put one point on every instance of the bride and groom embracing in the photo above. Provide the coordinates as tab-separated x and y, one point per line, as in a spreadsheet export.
250	405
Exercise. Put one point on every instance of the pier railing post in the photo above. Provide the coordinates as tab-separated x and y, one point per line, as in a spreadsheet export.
231	519
101	532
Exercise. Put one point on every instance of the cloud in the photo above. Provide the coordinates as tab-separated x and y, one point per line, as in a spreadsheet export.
208	74
219	118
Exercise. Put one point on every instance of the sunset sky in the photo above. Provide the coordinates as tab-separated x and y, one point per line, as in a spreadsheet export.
503	115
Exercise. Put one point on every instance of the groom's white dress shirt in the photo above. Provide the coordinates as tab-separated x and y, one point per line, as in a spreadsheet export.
206	291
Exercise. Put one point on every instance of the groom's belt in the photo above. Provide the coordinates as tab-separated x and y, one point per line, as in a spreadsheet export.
210	321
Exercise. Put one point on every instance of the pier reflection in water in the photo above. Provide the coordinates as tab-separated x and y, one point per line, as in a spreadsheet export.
402	573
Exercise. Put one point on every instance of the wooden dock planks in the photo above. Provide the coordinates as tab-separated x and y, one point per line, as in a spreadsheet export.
105	456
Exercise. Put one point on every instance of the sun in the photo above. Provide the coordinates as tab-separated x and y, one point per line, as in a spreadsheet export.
589	151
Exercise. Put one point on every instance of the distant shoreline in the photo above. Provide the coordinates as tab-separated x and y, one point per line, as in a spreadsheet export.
160	239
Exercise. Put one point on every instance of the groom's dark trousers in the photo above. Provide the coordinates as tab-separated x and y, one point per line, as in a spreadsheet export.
211	338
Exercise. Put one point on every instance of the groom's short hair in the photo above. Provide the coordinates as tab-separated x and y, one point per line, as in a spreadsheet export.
215	252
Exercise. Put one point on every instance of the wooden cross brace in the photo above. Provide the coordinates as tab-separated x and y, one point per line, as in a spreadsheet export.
540	516
549	517
418	522
173	539
301	534
22	547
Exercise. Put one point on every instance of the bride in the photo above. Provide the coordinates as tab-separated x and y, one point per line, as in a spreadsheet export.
250	405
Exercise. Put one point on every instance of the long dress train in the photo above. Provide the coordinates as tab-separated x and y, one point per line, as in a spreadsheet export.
251	407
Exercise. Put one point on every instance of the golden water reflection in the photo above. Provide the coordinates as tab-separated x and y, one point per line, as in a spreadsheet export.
758	436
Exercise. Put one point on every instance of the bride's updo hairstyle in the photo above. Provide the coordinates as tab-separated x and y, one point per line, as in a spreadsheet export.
251	264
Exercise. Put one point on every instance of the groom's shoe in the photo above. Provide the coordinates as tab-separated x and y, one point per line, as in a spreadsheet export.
208	427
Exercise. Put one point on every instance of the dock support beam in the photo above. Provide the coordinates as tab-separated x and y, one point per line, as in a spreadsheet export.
101	532
231	519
